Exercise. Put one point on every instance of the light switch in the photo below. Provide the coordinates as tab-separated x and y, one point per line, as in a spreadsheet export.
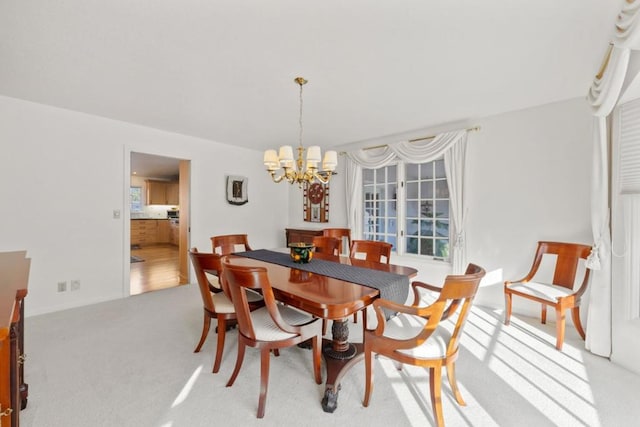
116	214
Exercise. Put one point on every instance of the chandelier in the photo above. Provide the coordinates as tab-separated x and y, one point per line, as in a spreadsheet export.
297	170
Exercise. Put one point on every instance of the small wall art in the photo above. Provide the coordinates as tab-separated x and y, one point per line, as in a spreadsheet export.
237	190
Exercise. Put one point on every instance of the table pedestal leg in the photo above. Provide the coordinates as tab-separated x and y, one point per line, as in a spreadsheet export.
339	356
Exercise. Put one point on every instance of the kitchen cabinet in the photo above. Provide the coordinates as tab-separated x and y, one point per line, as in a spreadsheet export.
164	231
173	193
144	231
174	237
151	231
163	192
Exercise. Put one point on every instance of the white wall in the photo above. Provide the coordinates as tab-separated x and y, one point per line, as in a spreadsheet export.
337	211
63	173
528	180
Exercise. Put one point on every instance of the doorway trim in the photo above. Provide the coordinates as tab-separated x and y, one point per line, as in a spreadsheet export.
185	220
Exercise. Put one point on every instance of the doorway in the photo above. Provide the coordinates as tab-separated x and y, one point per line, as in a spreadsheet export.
159	216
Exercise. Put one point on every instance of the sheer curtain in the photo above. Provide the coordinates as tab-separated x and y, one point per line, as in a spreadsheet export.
450	144
603	96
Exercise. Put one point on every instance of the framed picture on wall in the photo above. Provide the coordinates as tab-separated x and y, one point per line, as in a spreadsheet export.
237	190
316	202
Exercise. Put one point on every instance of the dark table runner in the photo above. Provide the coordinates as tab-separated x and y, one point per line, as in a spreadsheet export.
392	286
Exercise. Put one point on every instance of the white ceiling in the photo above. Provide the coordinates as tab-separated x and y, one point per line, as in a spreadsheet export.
223	69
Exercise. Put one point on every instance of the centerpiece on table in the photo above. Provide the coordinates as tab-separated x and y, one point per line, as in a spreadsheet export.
301	253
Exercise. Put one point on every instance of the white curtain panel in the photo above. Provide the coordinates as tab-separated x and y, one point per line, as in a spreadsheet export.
354	198
455	166
413	152
603	96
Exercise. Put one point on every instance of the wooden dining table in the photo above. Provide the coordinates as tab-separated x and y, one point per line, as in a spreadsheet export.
327	298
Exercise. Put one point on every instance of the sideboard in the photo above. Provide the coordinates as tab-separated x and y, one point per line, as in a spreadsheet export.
14	276
305	235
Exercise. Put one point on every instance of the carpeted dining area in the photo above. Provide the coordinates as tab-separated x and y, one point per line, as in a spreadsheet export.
130	362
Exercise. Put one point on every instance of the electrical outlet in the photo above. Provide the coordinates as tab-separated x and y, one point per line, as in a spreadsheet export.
62	286
75	285
116	215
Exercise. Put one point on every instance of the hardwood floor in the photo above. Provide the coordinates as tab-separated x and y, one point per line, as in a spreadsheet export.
159	270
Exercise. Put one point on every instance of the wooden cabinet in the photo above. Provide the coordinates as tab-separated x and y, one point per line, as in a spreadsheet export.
150	231
173	193
163	192
164	231
144	231
174	237
305	235
14	275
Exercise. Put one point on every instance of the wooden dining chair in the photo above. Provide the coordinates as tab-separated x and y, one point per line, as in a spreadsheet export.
217	304
327	245
230	243
271	327
373	250
417	337
341	234
562	293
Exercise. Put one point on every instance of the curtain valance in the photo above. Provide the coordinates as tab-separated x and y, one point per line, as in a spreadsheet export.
451	145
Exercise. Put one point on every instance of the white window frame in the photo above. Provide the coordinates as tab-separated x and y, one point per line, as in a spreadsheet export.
401	237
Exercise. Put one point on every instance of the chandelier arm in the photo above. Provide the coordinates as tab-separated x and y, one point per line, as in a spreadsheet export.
322	179
274	178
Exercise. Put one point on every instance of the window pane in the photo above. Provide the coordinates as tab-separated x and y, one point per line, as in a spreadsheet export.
392	240
412	172
426	228
391	173
391	226
442	208
380	176
412	209
380	209
442	190
412	190
412	245
442	248
439	166
426	209
135	199
426	190
412	227
368	192
392	191
426	247
380	226
380	192
442	228
426	171
391	209
367	176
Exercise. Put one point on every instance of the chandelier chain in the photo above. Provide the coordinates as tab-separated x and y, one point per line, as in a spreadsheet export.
300	117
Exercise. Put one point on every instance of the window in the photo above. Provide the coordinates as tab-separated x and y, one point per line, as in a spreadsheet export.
135	199
380	208
423	197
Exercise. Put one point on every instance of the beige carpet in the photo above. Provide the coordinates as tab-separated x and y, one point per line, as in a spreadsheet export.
130	362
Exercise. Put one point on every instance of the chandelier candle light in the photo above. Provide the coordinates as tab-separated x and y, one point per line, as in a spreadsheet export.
295	170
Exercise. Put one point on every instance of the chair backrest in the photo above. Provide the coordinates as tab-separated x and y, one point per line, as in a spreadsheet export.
237	280
568	256
457	294
341	234
327	245
230	243
205	261
373	250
